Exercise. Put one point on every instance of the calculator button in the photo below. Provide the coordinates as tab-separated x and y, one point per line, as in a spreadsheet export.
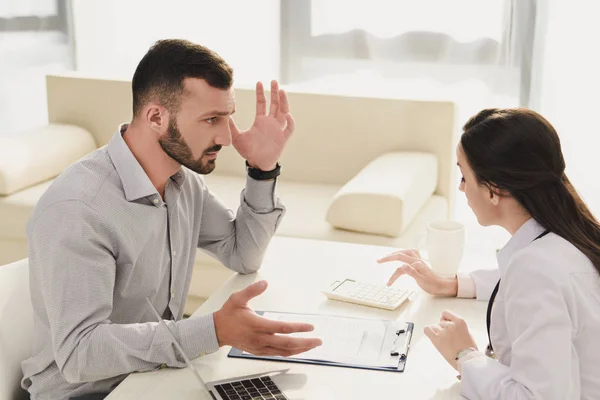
380	296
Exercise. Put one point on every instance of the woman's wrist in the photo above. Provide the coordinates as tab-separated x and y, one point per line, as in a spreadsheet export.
450	286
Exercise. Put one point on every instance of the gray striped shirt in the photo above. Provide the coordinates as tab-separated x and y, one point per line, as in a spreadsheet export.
101	240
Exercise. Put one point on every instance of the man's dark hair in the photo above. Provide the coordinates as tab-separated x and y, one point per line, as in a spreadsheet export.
160	74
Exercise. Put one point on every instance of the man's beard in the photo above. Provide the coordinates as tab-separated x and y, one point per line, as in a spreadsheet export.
176	148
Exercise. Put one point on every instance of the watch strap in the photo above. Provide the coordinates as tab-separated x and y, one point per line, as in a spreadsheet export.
261	175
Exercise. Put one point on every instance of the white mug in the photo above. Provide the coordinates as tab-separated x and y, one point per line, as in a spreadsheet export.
444	244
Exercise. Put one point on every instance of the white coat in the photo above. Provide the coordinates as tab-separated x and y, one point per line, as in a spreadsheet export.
545	325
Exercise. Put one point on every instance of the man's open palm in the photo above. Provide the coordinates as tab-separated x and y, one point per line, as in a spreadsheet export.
263	144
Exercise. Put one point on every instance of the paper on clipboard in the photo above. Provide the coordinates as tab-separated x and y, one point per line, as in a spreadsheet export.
347	340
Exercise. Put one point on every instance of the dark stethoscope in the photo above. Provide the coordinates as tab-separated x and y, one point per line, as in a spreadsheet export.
489	351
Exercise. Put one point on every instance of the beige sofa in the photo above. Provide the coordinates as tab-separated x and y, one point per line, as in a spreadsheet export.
355	162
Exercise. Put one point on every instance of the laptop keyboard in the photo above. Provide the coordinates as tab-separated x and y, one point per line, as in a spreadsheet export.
251	389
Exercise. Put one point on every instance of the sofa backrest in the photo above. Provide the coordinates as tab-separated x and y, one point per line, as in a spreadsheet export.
336	136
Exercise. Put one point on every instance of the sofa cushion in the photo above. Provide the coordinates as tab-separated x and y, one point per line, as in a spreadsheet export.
306	208
306	203
385	196
40	154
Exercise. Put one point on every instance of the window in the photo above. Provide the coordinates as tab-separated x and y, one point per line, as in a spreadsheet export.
382	41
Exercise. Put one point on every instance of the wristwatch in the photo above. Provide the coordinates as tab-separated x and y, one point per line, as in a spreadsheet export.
464	352
261	175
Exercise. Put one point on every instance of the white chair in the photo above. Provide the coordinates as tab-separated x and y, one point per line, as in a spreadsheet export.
16	327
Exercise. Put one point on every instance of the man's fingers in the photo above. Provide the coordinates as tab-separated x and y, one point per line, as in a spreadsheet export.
242	297
291	125
284	109
286	342
284	105
235	132
274	109
270	326
261	100
272	351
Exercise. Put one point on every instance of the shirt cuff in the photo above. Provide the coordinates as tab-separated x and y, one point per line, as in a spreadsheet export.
466	286
197	336
466	358
260	195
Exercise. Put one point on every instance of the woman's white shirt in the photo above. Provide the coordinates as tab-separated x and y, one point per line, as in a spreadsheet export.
545	326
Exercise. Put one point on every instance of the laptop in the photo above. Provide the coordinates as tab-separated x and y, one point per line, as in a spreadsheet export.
274	385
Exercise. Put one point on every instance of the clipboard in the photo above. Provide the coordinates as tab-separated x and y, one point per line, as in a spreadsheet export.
401	342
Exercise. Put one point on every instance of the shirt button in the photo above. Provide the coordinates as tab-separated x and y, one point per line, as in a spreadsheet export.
174	253
172	295
155	201
202	354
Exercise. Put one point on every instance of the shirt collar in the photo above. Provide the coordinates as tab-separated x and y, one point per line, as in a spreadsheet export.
178	177
136	183
522	237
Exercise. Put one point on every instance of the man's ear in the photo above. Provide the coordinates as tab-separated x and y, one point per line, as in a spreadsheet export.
157	117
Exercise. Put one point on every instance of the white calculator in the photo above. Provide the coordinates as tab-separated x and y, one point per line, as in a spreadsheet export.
367	294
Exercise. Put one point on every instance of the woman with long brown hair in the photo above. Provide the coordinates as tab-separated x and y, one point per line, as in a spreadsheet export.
544	300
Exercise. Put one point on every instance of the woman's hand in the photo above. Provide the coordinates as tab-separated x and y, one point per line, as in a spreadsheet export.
426	278
450	336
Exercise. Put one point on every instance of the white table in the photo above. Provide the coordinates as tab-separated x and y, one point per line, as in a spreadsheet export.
296	269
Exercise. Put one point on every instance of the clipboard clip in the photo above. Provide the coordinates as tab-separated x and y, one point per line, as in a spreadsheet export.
394	351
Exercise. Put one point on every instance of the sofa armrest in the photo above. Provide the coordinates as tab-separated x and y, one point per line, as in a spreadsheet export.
386	195
39	154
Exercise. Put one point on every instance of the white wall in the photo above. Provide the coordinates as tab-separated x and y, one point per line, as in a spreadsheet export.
111	36
570	90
